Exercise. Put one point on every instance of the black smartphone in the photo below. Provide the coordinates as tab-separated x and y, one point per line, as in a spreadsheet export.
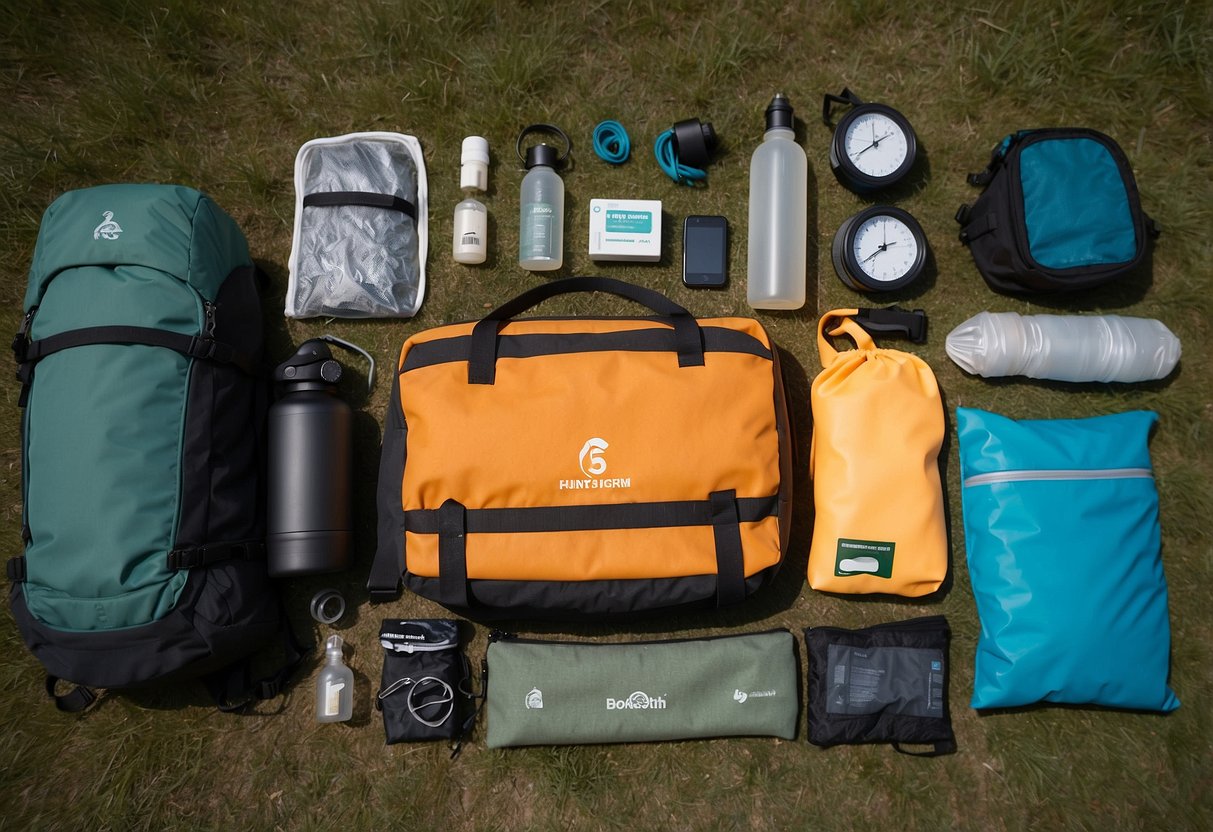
705	251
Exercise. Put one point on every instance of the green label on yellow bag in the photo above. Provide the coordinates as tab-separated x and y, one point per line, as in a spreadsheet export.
864	557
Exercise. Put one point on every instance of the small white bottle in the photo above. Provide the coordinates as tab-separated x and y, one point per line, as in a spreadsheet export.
541	217
470	242
779	214
334	685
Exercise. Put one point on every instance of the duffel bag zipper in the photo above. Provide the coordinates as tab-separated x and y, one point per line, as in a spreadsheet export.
1044	475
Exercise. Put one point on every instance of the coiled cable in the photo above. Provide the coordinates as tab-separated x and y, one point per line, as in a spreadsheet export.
611	142
663	149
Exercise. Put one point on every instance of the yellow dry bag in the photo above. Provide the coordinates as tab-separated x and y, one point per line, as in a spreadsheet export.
878	424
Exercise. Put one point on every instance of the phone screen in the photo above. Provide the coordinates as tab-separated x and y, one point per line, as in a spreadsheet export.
704	246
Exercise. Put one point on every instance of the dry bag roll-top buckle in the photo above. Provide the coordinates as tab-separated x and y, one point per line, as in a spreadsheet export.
894	319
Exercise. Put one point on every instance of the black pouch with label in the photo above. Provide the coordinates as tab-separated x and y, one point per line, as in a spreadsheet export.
424	691
887	683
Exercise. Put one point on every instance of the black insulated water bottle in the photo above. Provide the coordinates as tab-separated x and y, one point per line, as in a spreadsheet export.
310	464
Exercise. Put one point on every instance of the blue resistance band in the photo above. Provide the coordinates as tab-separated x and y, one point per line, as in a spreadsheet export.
611	142
663	149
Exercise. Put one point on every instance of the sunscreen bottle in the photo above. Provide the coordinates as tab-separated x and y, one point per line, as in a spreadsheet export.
470	242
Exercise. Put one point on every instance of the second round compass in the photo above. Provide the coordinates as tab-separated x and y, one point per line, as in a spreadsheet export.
880	249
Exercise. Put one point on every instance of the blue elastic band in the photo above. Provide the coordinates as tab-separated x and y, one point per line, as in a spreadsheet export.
611	142
663	149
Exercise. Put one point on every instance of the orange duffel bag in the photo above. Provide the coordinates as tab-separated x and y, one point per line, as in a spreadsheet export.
558	467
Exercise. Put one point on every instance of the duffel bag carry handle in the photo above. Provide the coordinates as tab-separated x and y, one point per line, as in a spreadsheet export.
482	358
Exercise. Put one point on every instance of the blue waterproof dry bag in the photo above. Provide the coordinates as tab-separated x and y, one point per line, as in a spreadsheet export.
1061	528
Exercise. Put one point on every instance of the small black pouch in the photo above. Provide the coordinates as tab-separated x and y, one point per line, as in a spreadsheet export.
887	683
424	689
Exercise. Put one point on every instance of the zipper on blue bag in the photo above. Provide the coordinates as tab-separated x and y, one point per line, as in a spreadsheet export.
1061	474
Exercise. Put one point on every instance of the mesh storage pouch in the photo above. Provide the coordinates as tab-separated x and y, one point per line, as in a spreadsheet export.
1063	540
887	683
361	235
1060	211
424	689
565	693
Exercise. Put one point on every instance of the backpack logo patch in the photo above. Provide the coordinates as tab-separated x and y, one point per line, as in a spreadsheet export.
108	229
534	700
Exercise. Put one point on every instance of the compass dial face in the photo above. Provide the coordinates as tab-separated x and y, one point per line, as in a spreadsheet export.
885	248
875	144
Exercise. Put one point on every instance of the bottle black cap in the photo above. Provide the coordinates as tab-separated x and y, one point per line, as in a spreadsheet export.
541	154
779	113
312	362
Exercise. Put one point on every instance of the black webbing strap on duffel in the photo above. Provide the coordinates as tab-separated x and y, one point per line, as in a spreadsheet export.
452	522
482	352
365	199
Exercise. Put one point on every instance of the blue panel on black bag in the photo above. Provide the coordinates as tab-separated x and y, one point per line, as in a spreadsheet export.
1076	208
1061	529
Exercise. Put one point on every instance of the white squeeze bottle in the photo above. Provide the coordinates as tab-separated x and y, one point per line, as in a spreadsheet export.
470	242
541	220
334	686
779	214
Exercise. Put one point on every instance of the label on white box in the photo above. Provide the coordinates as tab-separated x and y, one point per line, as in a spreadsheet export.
625	229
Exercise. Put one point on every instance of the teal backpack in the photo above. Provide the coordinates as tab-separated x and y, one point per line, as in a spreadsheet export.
143	421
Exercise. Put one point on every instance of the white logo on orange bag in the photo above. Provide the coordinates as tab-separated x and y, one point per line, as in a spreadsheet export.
593	464
591	452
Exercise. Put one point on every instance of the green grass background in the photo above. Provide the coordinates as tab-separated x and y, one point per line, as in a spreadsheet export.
220	96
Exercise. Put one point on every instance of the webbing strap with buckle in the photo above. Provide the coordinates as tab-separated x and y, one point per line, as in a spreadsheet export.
211	553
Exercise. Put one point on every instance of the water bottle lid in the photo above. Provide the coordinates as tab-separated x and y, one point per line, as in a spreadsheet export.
312	362
779	113
541	154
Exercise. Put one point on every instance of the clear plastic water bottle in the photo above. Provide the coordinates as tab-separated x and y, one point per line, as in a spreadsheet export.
541	219
779	214
334	685
1064	347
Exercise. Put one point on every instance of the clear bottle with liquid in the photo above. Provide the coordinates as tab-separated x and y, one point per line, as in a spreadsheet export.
541	219
470	242
334	685
779	214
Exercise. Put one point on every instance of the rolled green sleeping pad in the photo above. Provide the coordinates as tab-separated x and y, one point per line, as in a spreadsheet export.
569	693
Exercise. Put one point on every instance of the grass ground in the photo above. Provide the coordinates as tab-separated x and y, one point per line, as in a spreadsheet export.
220	96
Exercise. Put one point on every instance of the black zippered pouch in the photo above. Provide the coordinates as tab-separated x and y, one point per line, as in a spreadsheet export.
1060	212
424	692
887	683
